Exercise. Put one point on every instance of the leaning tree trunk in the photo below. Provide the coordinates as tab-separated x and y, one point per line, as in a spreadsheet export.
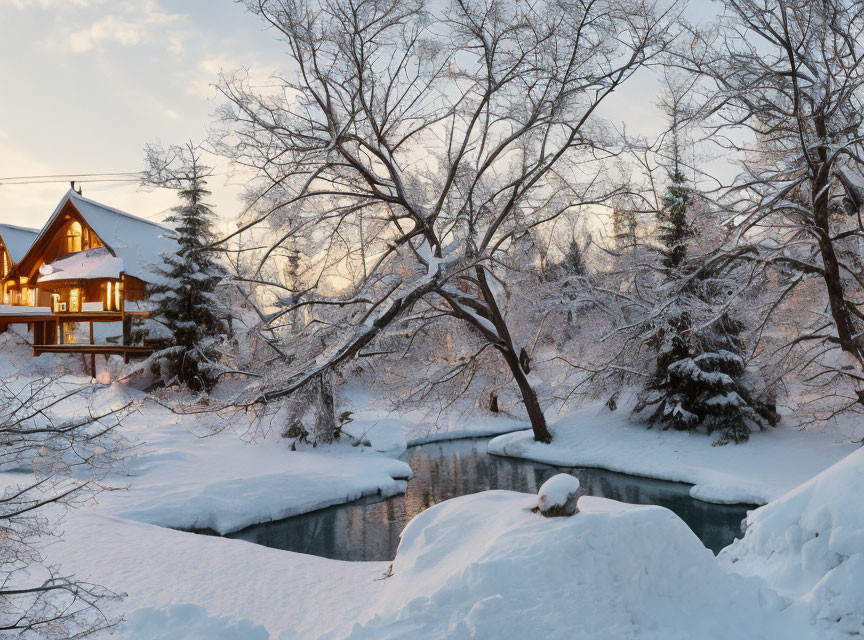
529	397
519	363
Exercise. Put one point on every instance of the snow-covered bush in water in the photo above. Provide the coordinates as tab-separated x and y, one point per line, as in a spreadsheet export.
60	445
189	320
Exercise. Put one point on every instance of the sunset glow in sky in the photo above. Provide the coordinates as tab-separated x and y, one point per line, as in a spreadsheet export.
87	83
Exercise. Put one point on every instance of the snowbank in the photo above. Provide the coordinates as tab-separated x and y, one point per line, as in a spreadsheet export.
375	422
763	469
184	586
484	566
809	546
190	622
222	483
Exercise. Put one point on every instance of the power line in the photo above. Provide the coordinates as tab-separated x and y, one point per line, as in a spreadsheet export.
15	184
74	175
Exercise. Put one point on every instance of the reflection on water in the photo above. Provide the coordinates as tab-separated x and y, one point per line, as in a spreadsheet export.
369	529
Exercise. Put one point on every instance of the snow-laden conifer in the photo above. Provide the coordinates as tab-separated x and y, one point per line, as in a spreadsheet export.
700	379
187	318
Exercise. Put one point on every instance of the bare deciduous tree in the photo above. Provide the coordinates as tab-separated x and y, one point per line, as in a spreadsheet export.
60	461
786	80
440	133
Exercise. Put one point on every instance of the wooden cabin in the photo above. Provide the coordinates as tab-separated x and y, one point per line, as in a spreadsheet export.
89	264
14	243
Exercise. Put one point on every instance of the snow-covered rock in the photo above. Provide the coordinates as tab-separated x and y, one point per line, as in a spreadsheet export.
558	495
809	546
485	566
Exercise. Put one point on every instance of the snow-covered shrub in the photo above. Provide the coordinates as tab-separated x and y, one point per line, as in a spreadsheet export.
558	496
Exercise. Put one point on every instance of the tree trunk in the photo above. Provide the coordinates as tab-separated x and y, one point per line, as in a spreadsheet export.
529	397
843	321
836	298
514	361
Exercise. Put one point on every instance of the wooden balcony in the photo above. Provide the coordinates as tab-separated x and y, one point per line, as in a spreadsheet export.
45	324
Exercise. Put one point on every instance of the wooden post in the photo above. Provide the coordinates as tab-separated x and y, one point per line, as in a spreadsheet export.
92	354
123	316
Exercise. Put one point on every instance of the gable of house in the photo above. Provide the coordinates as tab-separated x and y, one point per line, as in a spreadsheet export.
80	224
14	243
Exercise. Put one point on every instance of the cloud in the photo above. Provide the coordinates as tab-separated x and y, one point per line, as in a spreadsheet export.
49	4
136	26
207	74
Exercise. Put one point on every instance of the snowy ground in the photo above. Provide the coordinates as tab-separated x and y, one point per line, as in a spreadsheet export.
480	566
769	465
183	586
179	480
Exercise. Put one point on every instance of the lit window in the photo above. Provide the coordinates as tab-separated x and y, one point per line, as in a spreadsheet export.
5	262
73	238
108	296
75	300
55	302
117	300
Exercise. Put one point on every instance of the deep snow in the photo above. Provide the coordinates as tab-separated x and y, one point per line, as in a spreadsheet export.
485	566
809	546
478	566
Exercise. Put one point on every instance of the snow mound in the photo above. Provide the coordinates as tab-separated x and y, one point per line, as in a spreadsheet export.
556	492
485	566
190	622
809	546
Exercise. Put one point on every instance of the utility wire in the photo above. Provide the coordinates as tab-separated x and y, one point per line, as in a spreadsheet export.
12	184
74	175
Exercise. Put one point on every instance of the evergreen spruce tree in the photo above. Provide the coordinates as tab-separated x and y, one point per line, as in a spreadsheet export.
700	380
187	312
573	262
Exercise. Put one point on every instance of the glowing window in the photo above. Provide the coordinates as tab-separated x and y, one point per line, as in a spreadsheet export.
73	238
75	300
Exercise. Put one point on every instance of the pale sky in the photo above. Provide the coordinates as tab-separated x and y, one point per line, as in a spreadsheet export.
87	83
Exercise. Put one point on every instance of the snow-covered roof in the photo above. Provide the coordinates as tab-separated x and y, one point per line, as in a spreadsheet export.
17	240
84	265
139	243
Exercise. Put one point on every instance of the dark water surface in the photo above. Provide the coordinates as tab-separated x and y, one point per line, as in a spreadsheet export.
369	529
